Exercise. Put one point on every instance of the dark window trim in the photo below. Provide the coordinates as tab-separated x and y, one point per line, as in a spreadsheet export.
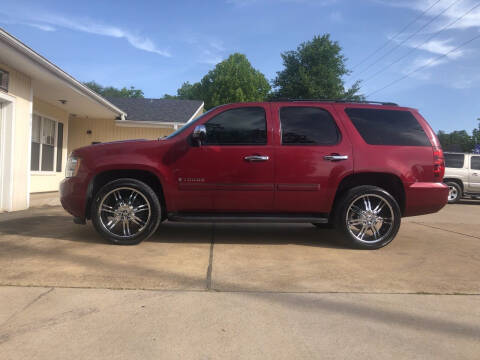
239	144
339	133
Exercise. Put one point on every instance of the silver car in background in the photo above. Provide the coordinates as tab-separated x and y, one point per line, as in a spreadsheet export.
462	175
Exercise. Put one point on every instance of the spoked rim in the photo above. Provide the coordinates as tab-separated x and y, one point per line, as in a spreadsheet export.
124	212
452	193
370	218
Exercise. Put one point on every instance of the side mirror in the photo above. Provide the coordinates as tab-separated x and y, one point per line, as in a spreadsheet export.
199	135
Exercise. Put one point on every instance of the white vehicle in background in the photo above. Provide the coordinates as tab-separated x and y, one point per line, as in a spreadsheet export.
462	175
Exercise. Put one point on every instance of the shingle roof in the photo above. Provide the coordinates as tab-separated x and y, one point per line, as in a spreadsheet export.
157	110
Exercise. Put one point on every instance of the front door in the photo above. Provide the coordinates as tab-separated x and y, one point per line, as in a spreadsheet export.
312	156
474	174
2	142
234	165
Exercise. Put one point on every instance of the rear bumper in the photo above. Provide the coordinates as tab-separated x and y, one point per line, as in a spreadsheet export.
425	198
73	196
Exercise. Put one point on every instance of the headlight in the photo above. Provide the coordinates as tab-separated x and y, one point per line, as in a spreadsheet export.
73	164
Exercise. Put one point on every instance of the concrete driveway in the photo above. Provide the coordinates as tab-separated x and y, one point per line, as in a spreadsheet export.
240	291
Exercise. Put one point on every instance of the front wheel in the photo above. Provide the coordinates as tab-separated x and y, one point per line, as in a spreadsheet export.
126	211
368	217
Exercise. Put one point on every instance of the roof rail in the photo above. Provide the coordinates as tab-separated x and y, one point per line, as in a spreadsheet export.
335	100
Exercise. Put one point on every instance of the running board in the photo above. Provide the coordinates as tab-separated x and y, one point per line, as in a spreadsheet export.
247	218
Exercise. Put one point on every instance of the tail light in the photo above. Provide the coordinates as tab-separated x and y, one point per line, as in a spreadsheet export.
438	163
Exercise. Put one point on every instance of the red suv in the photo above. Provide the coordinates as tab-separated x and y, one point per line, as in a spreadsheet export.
358	167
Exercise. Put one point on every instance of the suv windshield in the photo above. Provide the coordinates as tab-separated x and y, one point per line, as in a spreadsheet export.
187	125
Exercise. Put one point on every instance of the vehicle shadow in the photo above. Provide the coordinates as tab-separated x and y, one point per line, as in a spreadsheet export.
62	228
469	202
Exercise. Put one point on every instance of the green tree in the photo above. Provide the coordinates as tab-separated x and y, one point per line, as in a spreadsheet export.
232	80
458	140
110	91
315	71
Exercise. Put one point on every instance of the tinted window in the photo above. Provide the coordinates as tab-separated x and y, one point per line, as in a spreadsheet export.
454	160
242	126
388	127
308	126
475	165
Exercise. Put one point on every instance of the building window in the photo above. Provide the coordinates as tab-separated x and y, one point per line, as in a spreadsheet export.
47	143
3	80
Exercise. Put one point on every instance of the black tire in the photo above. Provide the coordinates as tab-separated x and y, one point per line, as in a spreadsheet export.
454	193
386	230
145	226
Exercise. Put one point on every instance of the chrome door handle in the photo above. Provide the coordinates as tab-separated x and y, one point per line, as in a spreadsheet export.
335	157
475	174
256	158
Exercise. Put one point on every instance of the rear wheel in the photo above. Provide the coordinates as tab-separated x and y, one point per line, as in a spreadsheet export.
368	217
126	211
454	192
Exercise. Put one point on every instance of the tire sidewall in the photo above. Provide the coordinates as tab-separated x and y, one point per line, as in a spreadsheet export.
152	198
341	214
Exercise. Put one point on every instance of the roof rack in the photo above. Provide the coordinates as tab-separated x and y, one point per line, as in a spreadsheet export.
336	100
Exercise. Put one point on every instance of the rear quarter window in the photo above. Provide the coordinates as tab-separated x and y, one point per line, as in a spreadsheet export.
455	161
388	127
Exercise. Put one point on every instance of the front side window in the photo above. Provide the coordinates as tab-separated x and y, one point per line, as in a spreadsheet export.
475	163
44	152
241	126
454	160
388	127
308	126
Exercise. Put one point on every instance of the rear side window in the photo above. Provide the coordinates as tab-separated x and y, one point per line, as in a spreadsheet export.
308	126
475	163
455	161
240	126
388	127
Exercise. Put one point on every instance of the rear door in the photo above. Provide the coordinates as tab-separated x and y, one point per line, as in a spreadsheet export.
312	154
474	174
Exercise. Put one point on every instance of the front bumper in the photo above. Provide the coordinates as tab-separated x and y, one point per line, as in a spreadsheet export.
425	198
73	196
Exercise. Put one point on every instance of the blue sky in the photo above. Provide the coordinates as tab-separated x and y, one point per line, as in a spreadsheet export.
157	45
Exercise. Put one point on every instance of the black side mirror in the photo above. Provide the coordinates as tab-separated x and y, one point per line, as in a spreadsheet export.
199	135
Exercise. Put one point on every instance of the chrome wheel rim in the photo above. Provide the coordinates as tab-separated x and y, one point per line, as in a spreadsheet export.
124	212
370	218
452	193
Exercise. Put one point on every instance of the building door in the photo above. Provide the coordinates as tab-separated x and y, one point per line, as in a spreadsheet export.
1	156
6	153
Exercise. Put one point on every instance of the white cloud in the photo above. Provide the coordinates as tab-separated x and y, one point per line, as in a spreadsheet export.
439	47
210	50
43	27
471	20
50	21
336	16
241	3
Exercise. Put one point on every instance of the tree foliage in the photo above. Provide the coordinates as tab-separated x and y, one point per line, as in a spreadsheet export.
459	140
315	71
232	80
110	91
